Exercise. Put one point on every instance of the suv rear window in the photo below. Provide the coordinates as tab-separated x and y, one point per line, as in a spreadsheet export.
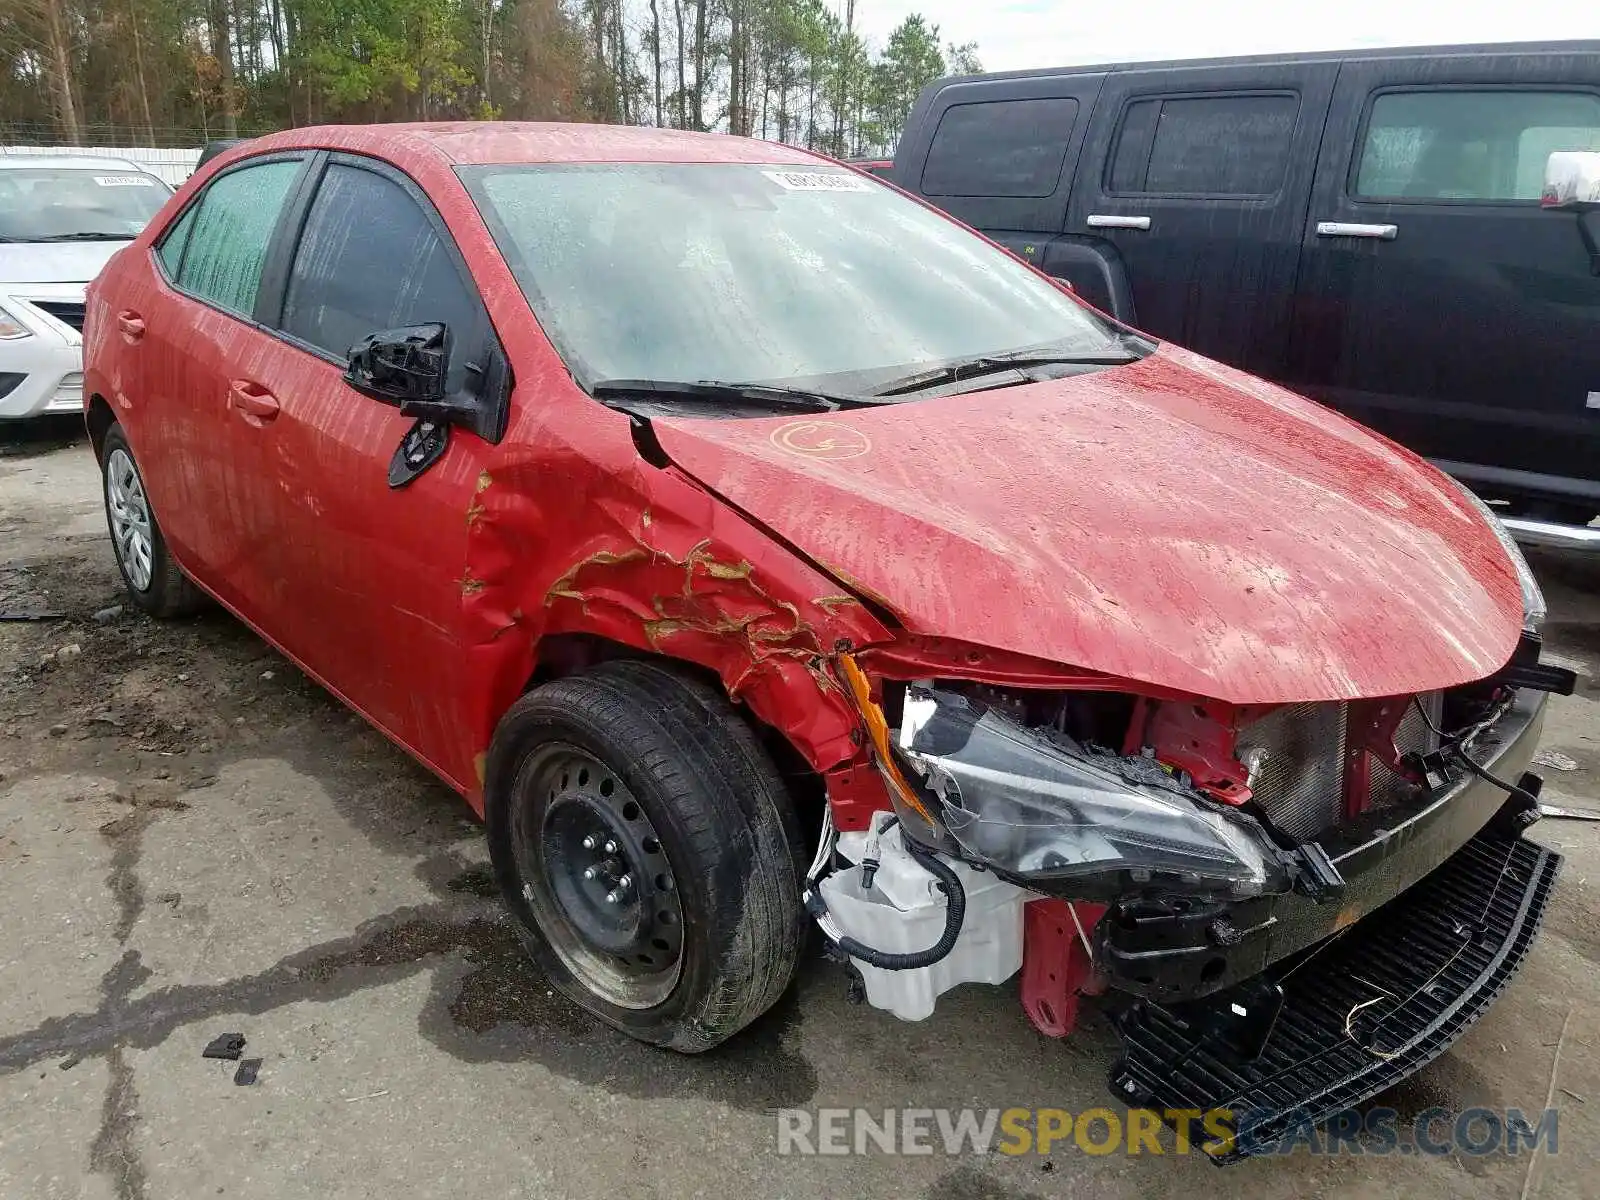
1460	145
1000	148
1204	145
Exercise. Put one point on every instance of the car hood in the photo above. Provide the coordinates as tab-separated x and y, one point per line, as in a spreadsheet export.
54	262
1174	521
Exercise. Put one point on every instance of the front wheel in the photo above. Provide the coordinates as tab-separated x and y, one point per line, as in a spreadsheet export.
643	840
155	583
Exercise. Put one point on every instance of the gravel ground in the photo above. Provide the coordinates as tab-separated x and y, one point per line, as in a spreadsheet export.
195	839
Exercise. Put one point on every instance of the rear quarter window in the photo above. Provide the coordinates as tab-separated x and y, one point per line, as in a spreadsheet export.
232	226
170	251
1000	148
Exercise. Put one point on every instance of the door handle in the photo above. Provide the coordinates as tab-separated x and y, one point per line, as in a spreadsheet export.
131	324
256	403
1111	221
1382	233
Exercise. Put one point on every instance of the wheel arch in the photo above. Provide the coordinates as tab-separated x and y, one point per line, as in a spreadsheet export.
99	418
564	654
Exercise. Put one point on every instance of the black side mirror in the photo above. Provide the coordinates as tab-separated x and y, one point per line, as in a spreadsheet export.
409	368
400	365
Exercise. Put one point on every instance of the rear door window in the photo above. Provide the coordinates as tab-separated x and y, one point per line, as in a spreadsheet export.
1459	145
170	251
1233	145
1000	148
227	242
371	259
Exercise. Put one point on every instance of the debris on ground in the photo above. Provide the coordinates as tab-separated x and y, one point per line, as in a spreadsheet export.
1568	814
1555	760
107	615
227	1046
247	1072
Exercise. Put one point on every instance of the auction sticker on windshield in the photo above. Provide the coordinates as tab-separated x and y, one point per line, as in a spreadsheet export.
124	181
817	181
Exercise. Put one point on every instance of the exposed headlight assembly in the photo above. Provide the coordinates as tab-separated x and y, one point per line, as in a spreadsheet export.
1533	605
1043	808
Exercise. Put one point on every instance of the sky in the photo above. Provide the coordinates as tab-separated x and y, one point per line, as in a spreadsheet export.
1017	34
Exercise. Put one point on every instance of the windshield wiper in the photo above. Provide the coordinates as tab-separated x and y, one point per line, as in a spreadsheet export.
989	364
714	390
85	237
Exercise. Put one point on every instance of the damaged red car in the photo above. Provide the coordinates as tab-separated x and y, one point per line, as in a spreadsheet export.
758	549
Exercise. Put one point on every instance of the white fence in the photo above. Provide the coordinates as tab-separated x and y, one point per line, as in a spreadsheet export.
172	165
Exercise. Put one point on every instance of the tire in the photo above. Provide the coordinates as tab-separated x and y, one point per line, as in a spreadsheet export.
675	776
154	582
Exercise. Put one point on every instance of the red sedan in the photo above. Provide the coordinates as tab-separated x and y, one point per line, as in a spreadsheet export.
753	545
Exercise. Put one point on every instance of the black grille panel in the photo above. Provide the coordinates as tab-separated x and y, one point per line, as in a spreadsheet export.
1297	755
1440	952
68	312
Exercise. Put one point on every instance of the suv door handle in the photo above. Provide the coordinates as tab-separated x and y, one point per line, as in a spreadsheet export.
1111	221
1382	233
256	403
131	324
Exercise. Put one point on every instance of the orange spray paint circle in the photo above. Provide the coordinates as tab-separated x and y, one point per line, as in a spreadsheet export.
821	439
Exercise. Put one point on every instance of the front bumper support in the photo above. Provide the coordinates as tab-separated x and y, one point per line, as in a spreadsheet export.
1175	948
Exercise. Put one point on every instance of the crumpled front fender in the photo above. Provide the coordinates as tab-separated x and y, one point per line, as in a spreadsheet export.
660	565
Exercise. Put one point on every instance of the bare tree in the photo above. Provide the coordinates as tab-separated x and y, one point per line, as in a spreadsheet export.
683	75
700	64
655	50
138	71
59	50
738	102
487	19
222	51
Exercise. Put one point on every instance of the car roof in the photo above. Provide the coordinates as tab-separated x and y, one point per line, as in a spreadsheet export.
1354	54
70	162
485	142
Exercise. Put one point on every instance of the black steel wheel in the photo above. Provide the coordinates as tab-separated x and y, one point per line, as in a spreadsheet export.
647	847
596	876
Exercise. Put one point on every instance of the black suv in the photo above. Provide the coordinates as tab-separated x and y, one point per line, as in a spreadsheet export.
1363	227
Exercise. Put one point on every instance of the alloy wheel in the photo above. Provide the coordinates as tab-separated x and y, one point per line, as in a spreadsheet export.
132	532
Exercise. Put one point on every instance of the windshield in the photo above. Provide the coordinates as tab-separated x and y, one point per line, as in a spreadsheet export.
39	204
767	274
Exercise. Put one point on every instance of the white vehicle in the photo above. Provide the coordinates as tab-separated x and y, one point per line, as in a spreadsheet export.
60	220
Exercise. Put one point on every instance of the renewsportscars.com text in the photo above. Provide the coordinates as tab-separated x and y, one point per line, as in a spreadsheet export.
1104	1131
